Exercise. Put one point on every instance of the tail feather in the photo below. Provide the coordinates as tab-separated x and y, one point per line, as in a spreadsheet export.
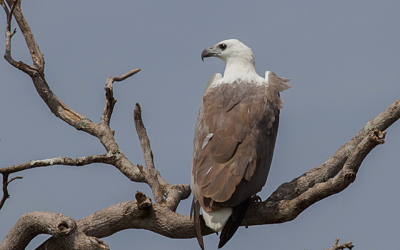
197	222
233	222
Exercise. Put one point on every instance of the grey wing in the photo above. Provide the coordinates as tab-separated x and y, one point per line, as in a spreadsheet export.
264	140
200	135
232	144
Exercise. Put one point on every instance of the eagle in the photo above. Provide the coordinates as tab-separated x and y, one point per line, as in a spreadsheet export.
234	139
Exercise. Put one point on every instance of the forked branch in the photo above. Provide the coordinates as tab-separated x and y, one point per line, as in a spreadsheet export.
164	221
6	181
110	101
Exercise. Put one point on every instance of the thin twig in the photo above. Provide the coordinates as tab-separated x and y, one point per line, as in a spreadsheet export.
126	75
14	178
6	195
20	65
110	101
336	245
148	155
9	15
36	54
5	8
108	158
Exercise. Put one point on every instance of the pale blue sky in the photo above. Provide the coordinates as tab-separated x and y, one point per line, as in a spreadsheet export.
343	58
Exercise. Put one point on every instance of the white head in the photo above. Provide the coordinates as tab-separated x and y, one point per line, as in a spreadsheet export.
238	57
231	49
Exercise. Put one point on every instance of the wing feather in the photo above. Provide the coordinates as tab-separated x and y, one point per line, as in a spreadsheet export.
234	140
228	157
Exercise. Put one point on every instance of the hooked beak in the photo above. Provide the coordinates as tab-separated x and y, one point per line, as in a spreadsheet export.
207	53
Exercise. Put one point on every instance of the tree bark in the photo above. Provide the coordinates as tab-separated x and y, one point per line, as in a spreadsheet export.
64	230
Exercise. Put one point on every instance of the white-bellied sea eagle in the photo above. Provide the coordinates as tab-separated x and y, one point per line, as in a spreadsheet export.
234	140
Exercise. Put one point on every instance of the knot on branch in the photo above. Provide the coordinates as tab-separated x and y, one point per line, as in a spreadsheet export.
378	136
65	227
350	176
143	202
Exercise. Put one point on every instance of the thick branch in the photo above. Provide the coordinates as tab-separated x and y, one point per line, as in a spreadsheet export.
290	209
334	164
157	218
163	221
63	228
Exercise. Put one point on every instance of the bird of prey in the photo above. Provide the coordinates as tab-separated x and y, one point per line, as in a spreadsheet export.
234	139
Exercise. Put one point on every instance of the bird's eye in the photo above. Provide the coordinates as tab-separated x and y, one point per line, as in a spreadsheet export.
222	46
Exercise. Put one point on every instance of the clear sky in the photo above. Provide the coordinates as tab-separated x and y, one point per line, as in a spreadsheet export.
343	58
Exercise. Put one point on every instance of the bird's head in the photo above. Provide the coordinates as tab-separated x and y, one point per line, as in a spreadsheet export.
231	49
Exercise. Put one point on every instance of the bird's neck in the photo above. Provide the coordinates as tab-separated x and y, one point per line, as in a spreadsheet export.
239	69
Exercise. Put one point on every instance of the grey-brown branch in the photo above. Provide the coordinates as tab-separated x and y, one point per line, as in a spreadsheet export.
64	230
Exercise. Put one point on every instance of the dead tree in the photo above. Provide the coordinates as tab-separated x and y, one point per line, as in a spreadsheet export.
159	216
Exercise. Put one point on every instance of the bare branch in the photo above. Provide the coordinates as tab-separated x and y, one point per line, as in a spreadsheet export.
335	246
125	76
126	215
63	228
334	164
110	101
20	65
3	4
175	194
60	109
290	209
6	195
14	178
152	177
9	15
36	54
108	158
164	221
